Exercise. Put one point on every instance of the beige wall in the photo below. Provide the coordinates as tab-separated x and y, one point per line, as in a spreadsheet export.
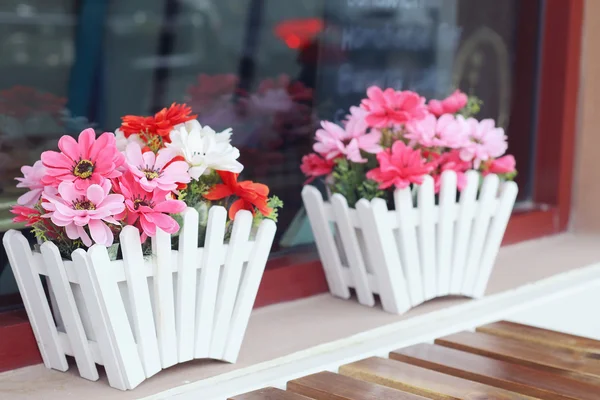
586	196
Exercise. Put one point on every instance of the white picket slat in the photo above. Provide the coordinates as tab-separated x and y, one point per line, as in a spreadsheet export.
426	237
494	237
164	301
485	209
230	282
384	256
407	238
116	318
139	298
34	299
353	252
209	281
69	312
185	310
445	231
326	245
249	288
97	313
462	234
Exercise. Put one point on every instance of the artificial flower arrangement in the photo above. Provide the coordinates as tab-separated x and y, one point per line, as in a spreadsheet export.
145	176
395	138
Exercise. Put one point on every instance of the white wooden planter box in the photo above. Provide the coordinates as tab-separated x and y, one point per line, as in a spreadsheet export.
416	252
139	315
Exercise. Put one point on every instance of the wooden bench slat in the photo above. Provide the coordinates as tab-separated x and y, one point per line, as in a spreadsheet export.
330	386
542	336
501	374
269	393
559	361
423	382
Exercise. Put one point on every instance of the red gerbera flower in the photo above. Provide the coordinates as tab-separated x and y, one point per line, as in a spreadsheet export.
250	194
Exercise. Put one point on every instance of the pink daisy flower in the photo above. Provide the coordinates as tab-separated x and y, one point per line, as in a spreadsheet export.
161	171
446	131
75	210
150	209
390	108
84	162
485	141
450	105
399	166
32	179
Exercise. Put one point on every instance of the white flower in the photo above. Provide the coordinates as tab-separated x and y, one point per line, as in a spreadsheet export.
123	141
205	149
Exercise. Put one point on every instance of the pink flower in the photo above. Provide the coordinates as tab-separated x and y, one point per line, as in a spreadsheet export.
450	105
150	209
502	165
75	209
85	162
161	171
334	141
399	166
485	141
447	131
390	108
449	161
32	179
314	166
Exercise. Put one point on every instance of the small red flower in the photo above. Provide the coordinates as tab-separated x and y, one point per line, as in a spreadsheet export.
449	161
160	124
28	215
250	194
314	166
399	166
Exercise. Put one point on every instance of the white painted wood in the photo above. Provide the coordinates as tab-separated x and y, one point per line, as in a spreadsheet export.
426	236
445	231
139	299
407	238
485	209
230	282
495	235
120	332
106	344
326	245
209	281
185	310
462	235
353	249
68	311
21	261
249	288
164	301
384	256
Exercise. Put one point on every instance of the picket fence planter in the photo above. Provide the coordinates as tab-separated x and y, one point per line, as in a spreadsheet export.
416	252
139	315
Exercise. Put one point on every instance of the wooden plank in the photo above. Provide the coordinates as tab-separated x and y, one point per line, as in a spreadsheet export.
69	312
423	382
330	386
209	280
230	282
139	300
501	374
19	254
356	262
544	337
427	239
326	246
565	362
269	393
187	277
445	231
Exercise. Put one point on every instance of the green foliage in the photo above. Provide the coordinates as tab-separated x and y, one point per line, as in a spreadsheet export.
349	180
275	203
472	108
196	189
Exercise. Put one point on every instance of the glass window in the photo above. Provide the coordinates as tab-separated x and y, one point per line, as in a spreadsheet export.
270	69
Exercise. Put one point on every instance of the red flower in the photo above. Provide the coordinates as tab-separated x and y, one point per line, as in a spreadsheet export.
314	166
250	194
449	161
399	166
28	215
388	108
500	166
160	124
450	105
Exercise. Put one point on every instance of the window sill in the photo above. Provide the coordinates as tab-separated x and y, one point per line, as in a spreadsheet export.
285	334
